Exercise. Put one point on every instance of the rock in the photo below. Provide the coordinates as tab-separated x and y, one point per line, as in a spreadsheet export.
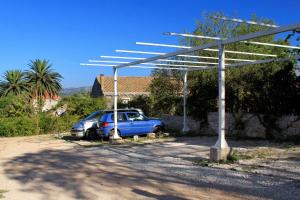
151	136
118	141
166	134
135	138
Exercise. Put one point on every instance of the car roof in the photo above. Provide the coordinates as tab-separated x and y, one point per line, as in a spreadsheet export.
124	109
121	111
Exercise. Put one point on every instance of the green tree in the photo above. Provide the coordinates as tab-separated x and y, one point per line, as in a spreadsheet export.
13	83
165	92
82	104
266	90
42	79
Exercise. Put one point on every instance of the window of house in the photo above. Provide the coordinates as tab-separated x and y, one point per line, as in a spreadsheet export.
125	100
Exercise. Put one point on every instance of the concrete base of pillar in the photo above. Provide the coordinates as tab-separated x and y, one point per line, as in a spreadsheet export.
116	141
185	130
218	154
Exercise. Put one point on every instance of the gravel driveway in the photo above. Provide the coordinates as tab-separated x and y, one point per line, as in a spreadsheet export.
43	167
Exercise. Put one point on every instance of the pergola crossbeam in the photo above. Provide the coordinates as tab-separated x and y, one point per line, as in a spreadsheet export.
219	38
162	60
206	49
156	64
246	21
216	43
183	55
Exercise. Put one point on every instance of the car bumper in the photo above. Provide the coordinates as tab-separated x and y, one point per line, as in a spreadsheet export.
101	133
77	133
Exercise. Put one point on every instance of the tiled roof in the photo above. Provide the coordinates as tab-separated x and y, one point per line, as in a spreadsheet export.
126	84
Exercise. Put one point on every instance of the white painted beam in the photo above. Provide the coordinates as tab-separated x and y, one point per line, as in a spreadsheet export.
245	21
218	38
206	49
187	56
215	44
161	60
154	64
145	67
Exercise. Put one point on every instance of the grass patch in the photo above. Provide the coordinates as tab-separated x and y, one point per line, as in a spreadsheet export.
203	163
235	156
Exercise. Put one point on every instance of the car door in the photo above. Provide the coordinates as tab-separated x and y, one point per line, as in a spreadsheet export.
138	122
123	125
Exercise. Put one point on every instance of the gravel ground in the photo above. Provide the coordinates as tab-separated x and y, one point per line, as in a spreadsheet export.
43	167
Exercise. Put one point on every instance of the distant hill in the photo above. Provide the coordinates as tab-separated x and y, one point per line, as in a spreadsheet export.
74	90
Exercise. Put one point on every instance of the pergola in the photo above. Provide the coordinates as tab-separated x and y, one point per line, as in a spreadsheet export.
159	61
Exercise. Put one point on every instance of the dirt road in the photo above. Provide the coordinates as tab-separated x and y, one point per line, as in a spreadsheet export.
42	167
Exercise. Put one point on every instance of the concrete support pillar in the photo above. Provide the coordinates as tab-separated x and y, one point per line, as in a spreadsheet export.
221	149
185	126
115	135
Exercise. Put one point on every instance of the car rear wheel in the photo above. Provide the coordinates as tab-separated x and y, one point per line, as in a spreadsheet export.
91	134
158	129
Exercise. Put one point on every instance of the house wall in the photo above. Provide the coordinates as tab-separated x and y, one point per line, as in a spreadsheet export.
48	104
96	90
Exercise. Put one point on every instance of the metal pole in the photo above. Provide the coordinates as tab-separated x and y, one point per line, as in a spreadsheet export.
115	133
221	128
185	126
220	150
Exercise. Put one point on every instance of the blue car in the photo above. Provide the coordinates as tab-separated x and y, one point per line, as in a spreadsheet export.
129	123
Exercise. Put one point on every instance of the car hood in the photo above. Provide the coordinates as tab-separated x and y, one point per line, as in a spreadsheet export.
79	125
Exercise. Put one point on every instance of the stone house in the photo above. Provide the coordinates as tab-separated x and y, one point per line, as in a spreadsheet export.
128	87
48	101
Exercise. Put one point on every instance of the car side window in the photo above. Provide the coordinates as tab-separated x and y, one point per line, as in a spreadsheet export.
121	117
135	116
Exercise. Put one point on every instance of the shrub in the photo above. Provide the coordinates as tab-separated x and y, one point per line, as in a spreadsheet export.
65	122
18	126
82	104
47	123
15	106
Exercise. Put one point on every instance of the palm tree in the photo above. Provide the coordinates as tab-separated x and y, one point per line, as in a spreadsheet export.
13	83
42	79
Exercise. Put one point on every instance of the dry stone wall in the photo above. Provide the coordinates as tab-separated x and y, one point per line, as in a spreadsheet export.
252	129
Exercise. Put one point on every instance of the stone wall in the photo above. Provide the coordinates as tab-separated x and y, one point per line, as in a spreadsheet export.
253	128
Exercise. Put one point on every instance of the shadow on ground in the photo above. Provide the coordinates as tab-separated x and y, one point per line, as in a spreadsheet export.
154	171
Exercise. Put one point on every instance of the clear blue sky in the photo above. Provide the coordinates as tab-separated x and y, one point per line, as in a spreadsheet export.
68	32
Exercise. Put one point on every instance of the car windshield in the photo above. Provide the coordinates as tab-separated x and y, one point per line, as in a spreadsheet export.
94	115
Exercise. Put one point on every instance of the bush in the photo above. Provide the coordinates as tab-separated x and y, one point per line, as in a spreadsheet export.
65	122
15	106
47	123
39	124
82	105
18	126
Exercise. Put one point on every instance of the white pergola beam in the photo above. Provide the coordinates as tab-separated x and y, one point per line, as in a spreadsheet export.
162	60
155	64
245	21
216	43
218	38
206	49
147	67
187	56
264	61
